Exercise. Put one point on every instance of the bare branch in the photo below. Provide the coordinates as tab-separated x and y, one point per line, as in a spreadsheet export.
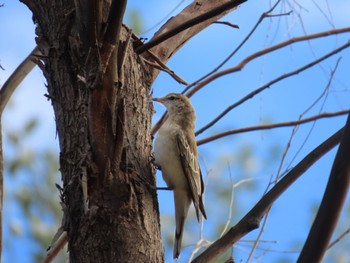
17	77
265	51
324	94
339	238
190	23
272	126
262	17
277	15
252	219
268	85
227	23
161	66
56	247
332	203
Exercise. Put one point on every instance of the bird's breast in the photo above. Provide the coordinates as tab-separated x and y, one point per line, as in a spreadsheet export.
167	157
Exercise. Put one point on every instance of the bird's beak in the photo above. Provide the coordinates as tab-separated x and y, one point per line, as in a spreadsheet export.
158	100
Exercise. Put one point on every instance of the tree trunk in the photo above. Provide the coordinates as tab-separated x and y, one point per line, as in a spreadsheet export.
100	91
103	124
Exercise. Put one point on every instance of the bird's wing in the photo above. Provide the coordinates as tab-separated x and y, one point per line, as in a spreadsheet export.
192	171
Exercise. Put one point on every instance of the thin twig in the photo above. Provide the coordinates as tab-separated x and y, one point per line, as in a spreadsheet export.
161	66
339	238
257	240
263	15
226	23
265	51
271	126
269	84
323	94
234	186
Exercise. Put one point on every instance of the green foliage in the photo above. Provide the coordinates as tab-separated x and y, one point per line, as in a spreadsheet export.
135	21
32	174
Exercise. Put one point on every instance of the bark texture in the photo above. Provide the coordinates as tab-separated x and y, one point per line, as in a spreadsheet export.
100	112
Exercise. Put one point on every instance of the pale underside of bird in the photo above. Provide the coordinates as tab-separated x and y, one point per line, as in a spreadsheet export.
175	152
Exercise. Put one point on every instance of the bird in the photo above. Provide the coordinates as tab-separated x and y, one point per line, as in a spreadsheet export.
176	155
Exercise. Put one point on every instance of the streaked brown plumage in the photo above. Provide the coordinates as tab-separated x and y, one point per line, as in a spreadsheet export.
176	154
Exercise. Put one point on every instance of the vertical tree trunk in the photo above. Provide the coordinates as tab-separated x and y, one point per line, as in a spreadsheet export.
103	116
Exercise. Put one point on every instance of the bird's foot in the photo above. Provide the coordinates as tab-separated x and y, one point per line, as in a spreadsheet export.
164	188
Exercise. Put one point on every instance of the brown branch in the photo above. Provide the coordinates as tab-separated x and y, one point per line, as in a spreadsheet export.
56	247
271	126
265	51
190	23
252	219
332	203
17	77
261	18
115	21
227	23
161	66
268	85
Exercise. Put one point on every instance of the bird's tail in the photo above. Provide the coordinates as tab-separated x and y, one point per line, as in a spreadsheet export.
178	240
201	207
182	204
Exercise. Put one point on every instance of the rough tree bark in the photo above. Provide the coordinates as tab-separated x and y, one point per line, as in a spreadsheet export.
100	91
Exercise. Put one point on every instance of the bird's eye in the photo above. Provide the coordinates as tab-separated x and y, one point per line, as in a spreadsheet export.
172	98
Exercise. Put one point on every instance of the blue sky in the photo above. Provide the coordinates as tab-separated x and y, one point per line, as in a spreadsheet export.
291	214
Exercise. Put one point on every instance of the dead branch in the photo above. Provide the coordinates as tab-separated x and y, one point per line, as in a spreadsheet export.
252	219
261	18
265	51
332	203
269	84
227	24
17	77
161	66
190	23
56	247
271	126
170	46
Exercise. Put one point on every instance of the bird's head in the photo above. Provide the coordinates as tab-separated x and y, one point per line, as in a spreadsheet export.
179	108
176	103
